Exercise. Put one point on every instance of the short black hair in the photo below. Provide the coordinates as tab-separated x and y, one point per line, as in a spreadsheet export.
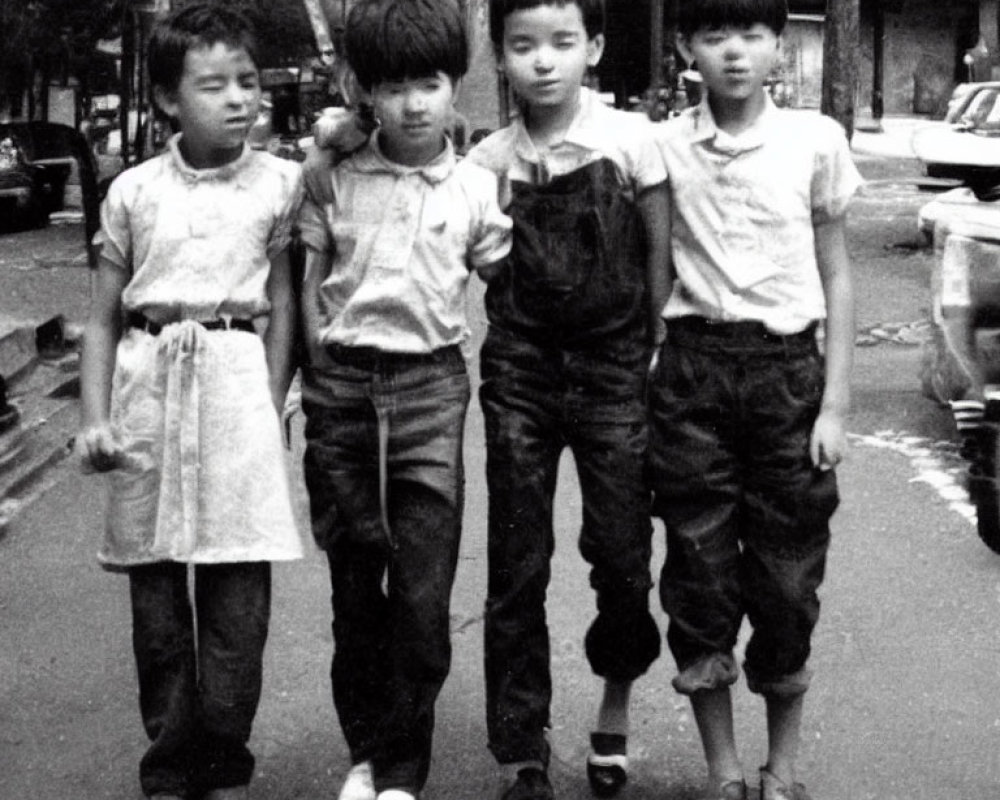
194	25
592	11
391	40
699	15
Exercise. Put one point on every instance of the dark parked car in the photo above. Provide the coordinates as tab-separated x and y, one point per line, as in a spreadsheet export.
36	160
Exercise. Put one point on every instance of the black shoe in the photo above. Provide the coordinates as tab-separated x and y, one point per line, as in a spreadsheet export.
532	784
607	764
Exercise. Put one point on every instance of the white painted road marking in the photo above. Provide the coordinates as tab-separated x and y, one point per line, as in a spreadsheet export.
937	464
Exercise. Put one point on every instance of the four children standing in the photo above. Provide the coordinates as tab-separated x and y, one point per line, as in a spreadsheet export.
717	237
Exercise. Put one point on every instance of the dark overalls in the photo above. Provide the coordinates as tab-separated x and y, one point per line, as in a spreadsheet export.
564	365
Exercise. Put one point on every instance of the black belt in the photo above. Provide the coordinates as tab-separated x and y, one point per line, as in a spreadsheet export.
748	331
373	358
136	319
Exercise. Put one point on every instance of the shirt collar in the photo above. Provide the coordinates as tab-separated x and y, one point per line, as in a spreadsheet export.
373	160
705	129
579	134
237	169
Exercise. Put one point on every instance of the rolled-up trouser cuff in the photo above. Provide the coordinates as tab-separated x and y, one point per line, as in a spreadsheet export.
713	671
783	686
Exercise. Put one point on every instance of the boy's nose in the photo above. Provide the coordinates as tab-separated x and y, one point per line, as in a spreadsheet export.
415	103
543	60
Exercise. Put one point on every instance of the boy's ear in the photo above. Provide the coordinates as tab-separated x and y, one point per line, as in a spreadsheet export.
684	46
166	100
456	86
595	49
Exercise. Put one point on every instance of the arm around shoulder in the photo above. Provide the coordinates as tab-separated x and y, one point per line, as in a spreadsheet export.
654	206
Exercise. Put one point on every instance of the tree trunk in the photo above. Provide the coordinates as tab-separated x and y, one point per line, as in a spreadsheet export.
840	62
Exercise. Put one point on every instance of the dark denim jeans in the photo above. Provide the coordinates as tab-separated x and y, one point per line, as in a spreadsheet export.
198	698
747	516
386	482
536	402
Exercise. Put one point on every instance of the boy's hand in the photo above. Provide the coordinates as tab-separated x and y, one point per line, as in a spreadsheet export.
828	443
98	448
340	129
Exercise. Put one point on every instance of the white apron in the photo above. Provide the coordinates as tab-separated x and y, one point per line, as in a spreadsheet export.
202	478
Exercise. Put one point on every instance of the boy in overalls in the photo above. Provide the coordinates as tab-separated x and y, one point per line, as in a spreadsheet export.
564	365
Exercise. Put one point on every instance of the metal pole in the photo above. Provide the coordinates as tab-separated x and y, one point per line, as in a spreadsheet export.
878	64
655	47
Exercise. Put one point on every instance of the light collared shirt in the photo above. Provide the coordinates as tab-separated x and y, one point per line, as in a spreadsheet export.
597	131
197	243
744	209
402	241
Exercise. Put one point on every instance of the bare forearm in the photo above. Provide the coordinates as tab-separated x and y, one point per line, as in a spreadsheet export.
838	289
840	333
654	205
97	363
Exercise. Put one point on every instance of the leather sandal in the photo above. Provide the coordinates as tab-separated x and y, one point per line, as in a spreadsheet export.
773	788
607	763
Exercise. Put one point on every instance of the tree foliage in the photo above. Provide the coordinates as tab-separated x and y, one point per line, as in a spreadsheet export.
51	38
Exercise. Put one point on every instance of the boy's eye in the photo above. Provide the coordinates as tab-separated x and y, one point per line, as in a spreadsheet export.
565	42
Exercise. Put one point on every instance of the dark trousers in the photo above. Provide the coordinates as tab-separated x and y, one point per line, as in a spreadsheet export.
536	402
385	476
747	515
199	671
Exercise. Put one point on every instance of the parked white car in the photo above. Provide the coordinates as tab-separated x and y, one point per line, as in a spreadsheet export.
966	143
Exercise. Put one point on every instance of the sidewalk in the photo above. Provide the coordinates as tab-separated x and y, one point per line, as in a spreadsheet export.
44	288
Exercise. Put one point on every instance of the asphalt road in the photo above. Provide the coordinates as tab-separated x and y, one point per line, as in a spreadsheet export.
904	705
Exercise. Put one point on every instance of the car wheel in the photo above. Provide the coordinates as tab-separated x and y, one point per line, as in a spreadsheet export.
984	489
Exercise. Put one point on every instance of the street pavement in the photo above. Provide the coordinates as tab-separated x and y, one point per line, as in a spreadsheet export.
903	706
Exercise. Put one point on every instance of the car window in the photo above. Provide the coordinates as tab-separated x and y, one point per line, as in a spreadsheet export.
980	107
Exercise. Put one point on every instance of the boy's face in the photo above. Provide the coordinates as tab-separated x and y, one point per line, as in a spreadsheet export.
414	114
733	62
215	103
546	53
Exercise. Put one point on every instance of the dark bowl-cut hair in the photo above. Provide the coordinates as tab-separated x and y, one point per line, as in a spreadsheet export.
592	11
200	24
391	40
710	15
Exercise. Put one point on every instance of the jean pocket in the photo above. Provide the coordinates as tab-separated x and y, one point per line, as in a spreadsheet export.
679	372
805	379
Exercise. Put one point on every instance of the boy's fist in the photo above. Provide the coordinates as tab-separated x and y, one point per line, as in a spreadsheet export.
98	448
340	129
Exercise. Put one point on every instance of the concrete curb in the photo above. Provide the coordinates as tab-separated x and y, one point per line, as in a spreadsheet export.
43	391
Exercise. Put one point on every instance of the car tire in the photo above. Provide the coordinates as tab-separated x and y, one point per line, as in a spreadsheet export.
984	488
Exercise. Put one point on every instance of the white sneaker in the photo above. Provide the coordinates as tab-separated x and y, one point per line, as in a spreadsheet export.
396	794
358	783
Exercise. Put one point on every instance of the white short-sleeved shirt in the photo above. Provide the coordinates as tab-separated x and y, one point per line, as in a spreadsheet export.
743	211
596	132
197	242
402	242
